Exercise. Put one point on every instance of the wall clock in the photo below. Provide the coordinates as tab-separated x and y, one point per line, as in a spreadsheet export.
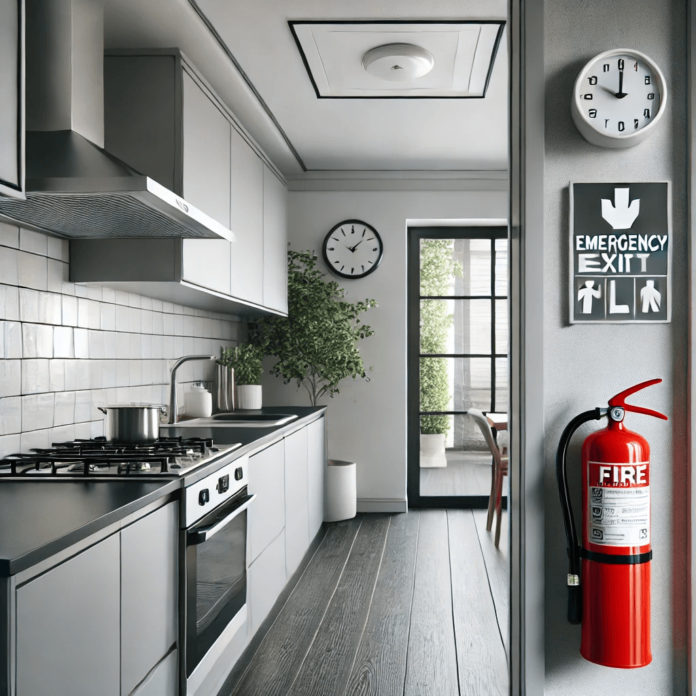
618	98
353	249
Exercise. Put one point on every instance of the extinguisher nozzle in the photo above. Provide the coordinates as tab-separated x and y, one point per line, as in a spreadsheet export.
574	604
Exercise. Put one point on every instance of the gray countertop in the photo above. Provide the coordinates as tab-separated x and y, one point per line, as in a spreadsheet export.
41	518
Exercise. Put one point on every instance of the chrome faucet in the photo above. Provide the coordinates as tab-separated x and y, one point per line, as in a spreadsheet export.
173	405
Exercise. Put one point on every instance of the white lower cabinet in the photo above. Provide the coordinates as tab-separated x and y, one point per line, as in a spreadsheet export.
296	498
163	680
68	626
267	578
316	471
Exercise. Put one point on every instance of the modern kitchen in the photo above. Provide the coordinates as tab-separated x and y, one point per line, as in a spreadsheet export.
298	309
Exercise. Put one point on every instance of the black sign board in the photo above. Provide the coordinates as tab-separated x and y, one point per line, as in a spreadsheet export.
620	253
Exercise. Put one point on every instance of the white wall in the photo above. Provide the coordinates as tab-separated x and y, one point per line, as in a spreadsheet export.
585	365
367	420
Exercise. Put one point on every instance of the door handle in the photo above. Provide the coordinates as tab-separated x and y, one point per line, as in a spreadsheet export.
201	534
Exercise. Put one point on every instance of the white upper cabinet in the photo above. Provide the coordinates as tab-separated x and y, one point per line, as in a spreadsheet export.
12	98
247	221
275	243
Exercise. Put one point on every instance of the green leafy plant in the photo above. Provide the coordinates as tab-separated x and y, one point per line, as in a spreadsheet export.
246	361
437	270
316	345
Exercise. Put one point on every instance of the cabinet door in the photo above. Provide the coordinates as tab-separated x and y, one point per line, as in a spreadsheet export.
267	514
247	221
296	493
12	98
275	243
149	593
206	153
266	580
163	680
68	627
316	465
206	262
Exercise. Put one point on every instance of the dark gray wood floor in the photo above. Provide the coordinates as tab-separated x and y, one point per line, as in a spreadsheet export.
407	605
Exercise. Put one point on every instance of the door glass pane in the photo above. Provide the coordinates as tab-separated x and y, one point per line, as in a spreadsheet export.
455	267
501	385
501	326
456	326
501	267
455	384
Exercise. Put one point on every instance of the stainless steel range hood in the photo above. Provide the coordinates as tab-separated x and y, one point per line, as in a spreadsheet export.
74	187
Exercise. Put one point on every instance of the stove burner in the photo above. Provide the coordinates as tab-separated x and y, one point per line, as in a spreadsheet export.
101	457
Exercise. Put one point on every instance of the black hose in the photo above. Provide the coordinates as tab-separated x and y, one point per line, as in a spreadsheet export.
573	547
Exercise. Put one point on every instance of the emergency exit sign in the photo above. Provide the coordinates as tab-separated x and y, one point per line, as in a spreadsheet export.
620	253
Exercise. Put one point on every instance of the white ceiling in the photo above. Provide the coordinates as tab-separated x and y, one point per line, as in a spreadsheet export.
327	134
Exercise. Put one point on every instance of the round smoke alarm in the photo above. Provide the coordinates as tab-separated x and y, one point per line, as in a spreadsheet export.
398	62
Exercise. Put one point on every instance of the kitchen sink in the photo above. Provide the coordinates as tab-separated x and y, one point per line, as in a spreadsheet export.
238	419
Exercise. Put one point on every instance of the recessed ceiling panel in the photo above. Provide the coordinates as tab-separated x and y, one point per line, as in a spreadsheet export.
463	52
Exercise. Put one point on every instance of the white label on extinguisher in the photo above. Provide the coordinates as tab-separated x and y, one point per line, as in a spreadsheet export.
618	504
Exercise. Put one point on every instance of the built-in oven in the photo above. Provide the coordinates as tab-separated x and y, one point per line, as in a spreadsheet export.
214	600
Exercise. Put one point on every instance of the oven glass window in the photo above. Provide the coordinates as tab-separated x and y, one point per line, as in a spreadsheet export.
216	587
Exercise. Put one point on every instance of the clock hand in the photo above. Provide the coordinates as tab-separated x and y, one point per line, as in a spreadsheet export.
621	94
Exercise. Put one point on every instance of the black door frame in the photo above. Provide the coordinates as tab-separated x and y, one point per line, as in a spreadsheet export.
415	234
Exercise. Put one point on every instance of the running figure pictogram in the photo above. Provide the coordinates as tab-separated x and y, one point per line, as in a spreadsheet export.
585	295
650	297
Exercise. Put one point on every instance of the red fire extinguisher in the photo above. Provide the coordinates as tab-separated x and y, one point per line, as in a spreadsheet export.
611	596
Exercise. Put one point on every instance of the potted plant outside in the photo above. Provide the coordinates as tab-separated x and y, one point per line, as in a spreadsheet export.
316	344
246	361
437	270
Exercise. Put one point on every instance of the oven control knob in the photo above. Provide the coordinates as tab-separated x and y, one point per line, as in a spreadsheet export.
238	474
204	497
223	484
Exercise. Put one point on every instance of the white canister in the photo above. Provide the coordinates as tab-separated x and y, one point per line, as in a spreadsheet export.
249	397
198	402
341	491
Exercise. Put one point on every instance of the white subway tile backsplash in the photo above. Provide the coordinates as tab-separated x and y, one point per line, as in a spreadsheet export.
178	324
135	346
121	298
157	323
37	411
10	444
34	242
84	411
96	374
83	430
56	375
168	324
94	292
35	376
96	428
9	235
146	347
54	247
135	320
134	300
147	321
65	433
96	345
55	275
69	316
156	305
122	318
49	308
9	266
12	343
88	314
64	413
109	373
145	302
32	271
39	439
122	373
9	301
108	317
81	339
135	370
108	295
37	341
28	305
63	346
11	415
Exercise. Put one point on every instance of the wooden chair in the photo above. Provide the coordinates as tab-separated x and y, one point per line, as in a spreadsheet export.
498	471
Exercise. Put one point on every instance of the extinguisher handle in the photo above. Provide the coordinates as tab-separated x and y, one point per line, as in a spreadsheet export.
620	400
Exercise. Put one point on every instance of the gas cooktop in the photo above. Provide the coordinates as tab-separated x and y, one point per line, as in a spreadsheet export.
168	456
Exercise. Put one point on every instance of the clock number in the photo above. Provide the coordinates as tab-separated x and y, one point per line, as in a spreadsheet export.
593	80
622	127
375	249
621	64
635	66
605	67
606	123
593	113
646	113
636	123
331	248
651	95
588	97
647	79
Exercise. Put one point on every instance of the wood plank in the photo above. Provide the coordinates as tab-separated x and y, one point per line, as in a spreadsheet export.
466	473
276	663
330	659
380	663
497	567
480	652
432	663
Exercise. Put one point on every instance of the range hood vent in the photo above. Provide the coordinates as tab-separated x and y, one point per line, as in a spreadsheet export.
74	187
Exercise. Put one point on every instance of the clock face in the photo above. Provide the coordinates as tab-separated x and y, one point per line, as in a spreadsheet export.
353	249
618	98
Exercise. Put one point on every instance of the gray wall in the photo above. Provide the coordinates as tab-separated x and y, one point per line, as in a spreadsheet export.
367	420
585	365
66	349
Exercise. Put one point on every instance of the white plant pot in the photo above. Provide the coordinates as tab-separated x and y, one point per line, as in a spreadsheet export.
249	397
432	451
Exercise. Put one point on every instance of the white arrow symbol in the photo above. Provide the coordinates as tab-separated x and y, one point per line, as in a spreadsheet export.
620	215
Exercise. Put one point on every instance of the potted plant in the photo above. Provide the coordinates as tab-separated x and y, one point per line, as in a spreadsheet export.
246	361
437	270
316	345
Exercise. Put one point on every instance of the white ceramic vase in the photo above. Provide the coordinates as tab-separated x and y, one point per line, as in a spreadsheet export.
432	450
249	397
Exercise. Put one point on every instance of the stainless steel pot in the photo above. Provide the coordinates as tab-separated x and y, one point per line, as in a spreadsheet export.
132	422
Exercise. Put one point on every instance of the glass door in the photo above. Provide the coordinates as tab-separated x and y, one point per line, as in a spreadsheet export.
458	349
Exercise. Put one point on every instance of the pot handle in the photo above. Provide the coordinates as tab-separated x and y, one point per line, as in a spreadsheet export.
103	410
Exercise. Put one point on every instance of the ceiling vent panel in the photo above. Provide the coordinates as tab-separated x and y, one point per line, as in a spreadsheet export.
463	56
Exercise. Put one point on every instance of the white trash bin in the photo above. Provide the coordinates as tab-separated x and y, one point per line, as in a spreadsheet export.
341	493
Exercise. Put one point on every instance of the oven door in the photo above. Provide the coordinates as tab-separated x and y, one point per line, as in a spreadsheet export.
215	575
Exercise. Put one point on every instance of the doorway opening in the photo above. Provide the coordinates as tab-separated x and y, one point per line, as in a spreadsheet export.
457	364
